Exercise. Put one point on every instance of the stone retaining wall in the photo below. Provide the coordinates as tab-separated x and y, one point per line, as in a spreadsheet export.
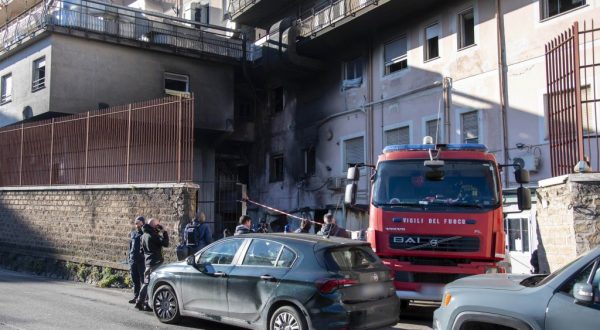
89	225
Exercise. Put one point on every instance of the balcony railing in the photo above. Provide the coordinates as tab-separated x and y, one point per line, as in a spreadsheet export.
126	23
235	7
327	14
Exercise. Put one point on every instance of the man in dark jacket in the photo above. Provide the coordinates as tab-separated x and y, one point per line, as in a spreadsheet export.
136	257
330	228
153	240
244	227
197	234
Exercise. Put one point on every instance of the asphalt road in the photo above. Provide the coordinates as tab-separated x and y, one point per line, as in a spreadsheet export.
33	302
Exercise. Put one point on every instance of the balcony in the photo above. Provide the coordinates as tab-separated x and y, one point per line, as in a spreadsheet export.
259	13
111	23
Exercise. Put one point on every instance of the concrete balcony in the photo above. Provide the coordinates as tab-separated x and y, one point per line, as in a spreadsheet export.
259	13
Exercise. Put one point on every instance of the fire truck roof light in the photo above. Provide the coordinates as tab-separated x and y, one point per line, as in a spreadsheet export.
424	147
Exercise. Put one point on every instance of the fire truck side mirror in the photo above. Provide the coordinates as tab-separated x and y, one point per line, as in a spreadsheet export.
353	173
350	195
524	198
521	175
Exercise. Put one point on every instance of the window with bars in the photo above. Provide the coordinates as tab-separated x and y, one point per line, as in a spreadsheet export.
276	168
6	87
395	58
38	80
400	135
354	151
432	35
433	128
517	234
469	125
551	8
466	21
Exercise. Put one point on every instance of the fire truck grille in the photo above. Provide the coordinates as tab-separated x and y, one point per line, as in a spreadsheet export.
434	243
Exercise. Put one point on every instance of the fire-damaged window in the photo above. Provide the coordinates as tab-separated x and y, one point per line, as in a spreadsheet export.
395	55
517	234
466	30
551	8
276	168
469	124
353	152
352	73
432	36
177	82
310	161
277	99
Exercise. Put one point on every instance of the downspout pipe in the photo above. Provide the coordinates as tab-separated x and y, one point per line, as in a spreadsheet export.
292	51
502	85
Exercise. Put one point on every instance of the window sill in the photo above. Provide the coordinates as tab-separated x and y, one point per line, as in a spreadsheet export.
5	102
467	47
563	13
432	59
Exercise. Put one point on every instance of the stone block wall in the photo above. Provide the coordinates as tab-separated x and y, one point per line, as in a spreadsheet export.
568	216
89	225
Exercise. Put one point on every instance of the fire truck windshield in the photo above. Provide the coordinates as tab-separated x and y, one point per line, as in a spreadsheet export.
464	184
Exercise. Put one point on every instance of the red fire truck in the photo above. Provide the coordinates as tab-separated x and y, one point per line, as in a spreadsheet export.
435	214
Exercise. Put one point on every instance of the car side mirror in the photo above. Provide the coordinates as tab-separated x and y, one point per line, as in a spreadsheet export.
524	198
350	195
353	173
191	260
583	293
521	175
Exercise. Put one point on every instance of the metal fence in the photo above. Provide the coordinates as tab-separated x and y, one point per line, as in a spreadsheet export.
124	23
145	142
573	96
237	6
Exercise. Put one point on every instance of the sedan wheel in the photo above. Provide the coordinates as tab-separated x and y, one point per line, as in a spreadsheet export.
287	318
165	305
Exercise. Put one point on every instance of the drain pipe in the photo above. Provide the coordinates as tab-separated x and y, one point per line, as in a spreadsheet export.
502	85
447	90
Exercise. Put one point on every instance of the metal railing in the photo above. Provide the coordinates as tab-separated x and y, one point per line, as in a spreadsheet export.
38	84
126	23
328	13
237	6
145	142
573	98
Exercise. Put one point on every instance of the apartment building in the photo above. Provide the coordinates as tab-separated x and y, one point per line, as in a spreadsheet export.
342	79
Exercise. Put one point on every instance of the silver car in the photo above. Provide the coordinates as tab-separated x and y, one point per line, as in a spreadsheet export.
569	298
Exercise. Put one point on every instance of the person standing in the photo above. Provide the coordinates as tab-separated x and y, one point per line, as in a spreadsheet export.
304	227
136	257
197	234
245	226
153	240
330	228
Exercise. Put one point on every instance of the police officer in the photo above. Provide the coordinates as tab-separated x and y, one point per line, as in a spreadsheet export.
197	234
136	257
153	240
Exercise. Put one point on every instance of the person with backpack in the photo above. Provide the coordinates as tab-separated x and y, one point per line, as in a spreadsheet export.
197	234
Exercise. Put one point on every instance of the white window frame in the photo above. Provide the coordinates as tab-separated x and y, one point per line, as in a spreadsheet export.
6	93
424	121
39	83
177	77
391	127
480	128
343	139
460	28
397	59
425	44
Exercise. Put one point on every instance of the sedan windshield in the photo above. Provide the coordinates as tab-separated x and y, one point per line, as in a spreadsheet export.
461	184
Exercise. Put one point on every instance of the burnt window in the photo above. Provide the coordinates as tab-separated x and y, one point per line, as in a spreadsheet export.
276	168
277	99
177	82
551	8
466	21
432	36
310	161
353	69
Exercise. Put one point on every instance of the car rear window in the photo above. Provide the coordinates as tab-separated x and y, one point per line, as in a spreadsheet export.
351	258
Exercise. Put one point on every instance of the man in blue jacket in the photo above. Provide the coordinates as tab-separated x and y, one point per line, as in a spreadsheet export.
136	257
197	234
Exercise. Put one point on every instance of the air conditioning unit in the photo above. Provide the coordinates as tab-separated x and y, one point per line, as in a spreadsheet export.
530	162
336	183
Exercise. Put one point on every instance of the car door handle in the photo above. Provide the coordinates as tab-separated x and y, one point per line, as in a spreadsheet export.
268	278
220	274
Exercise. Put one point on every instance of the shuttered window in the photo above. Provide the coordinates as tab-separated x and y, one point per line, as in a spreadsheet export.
433	129
354	151
432	35
469	127
395	55
400	135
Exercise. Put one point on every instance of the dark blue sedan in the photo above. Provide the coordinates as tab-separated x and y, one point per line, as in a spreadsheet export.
279	281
